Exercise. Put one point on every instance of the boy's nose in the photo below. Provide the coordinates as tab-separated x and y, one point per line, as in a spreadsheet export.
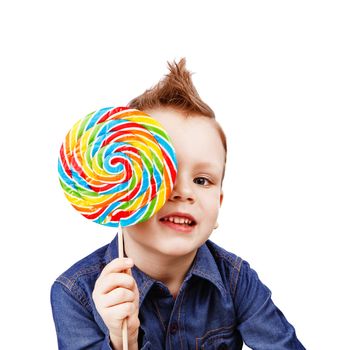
182	191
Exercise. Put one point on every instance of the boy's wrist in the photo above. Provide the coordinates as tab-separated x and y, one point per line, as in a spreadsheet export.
116	343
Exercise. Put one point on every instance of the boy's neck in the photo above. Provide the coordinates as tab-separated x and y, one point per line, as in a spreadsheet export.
167	269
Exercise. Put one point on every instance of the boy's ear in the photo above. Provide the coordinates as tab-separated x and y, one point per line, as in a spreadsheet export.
221	197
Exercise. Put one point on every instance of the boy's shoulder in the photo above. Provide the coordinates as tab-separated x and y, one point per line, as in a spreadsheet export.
87	268
222	255
235	272
229	260
223	266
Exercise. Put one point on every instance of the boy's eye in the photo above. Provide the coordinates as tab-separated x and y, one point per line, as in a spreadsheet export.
201	181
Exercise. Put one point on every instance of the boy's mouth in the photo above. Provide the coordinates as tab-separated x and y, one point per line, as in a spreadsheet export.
177	220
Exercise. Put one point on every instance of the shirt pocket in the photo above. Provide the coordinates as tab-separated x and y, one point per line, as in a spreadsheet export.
220	339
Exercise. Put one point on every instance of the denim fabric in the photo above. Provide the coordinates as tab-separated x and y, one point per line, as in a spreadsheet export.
221	304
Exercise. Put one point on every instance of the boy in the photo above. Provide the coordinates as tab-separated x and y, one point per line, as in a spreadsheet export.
183	291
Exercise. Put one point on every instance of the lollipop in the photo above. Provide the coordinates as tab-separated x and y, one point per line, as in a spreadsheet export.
117	166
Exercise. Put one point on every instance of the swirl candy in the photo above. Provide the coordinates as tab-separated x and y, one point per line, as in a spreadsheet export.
117	166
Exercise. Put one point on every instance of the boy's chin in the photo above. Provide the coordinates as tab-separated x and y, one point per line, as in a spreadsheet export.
173	249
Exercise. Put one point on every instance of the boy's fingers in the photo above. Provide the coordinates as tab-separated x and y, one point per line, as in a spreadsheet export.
114	280
117	265
121	311
118	296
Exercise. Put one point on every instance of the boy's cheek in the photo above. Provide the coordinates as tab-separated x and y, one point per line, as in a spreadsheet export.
141	228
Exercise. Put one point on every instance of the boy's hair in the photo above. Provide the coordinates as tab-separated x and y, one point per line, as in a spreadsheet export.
176	90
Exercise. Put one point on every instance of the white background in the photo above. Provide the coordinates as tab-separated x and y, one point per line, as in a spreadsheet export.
276	73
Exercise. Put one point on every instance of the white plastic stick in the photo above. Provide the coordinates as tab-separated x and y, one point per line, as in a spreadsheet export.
121	255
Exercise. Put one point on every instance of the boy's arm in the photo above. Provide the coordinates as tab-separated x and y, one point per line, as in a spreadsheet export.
75	325
261	324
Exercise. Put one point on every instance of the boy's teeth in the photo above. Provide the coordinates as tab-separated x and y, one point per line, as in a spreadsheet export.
178	220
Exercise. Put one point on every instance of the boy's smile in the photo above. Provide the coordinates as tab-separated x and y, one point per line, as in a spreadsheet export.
183	222
188	218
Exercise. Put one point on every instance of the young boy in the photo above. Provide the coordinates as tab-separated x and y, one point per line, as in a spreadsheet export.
182	291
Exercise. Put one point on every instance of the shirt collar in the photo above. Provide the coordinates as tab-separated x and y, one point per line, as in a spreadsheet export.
204	266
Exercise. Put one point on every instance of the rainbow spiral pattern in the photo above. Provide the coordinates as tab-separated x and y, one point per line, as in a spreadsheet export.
117	166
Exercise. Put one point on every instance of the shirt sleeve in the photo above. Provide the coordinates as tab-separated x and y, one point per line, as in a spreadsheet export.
261	324
75	325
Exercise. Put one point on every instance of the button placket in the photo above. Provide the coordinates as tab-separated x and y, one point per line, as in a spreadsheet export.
174	328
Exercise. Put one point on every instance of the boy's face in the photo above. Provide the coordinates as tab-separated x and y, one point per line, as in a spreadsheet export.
197	194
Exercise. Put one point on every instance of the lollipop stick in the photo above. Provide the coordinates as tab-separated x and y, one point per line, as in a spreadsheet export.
121	255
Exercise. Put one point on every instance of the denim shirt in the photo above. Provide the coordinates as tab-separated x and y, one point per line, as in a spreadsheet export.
221	304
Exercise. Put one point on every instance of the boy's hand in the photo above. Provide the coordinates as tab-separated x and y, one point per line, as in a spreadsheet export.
116	297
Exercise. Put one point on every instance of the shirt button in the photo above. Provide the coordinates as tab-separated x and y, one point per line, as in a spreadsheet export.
174	328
